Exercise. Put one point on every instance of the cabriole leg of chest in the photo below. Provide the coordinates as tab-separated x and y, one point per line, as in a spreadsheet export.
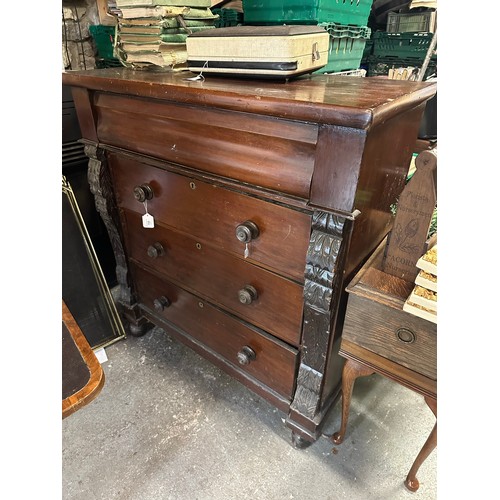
322	289
100	186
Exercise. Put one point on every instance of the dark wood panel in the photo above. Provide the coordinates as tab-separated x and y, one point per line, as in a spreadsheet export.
336	171
219	277
280	153
274	363
85	113
385	165
212	214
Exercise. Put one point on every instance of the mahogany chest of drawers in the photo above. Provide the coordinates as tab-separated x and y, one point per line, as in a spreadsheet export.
266	197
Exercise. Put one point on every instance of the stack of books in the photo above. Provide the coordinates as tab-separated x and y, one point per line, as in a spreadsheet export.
423	299
154	32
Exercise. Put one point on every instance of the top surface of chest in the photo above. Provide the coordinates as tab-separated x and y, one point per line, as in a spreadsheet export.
347	101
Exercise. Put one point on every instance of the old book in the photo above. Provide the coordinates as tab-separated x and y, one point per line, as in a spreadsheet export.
160	11
164	58
139	38
140	30
162	37
159	46
170	3
156	25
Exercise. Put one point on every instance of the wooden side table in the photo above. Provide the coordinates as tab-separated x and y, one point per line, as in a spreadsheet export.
379	337
82	374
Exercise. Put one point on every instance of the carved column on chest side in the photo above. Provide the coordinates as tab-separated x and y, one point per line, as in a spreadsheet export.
100	185
322	290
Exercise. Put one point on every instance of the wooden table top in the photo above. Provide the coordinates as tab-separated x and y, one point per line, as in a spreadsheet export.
82	374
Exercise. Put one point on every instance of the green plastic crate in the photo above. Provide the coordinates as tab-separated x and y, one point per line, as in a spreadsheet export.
380	66
104	37
347	44
227	17
355	12
411	22
401	44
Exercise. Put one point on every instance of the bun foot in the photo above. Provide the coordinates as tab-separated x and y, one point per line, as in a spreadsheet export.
299	442
412	484
337	438
139	330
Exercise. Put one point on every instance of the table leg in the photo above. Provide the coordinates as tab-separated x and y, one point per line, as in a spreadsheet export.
351	371
411	481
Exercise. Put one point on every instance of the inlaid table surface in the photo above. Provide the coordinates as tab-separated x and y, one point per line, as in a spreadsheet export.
82	374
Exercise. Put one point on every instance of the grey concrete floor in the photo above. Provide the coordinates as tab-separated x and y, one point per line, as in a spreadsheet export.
170	425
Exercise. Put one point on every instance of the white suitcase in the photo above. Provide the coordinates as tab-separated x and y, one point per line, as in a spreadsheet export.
266	51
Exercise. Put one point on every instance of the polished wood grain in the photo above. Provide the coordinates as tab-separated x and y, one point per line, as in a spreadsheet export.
91	385
167	131
345	101
275	362
219	277
212	215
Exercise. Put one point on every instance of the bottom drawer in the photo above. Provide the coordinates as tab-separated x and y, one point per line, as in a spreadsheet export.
270	361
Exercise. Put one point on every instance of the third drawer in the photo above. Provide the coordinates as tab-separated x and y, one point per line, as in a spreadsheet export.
268	360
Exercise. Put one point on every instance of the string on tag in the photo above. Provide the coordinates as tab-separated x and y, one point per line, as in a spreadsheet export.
200	76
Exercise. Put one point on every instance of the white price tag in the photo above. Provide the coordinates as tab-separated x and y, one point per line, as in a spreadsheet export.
148	221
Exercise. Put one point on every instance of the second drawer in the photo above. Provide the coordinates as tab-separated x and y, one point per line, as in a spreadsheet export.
261	297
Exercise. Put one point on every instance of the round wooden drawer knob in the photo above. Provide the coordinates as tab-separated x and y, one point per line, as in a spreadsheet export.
246	355
161	303
143	192
156	250
247	231
247	295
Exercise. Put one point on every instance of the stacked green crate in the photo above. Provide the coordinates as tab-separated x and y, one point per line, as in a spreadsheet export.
403	48
271	12
345	21
104	40
347	44
227	17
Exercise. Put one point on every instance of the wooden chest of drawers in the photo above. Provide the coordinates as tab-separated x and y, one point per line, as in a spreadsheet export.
266	197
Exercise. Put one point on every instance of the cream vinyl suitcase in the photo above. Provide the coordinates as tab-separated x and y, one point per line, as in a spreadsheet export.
267	51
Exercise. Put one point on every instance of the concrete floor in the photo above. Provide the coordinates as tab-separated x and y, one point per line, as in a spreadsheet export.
169	425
